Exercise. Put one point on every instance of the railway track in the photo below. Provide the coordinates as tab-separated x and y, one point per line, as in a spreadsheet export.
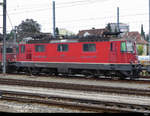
80	87
141	80
87	104
73	102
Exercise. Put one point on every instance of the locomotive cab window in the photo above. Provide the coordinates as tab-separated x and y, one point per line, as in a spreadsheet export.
62	48
89	47
22	48
40	48
9	50
123	47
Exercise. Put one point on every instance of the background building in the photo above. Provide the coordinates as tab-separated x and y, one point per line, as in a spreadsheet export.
141	44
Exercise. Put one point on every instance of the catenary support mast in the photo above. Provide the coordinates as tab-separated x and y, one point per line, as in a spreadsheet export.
118	20
149	27
4	37
54	23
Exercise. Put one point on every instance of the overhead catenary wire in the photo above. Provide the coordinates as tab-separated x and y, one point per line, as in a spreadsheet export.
38	8
92	18
9	20
48	6
72	3
77	3
58	4
31	10
101	18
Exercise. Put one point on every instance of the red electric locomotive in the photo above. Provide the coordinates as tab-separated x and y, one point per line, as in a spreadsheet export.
10	54
89	56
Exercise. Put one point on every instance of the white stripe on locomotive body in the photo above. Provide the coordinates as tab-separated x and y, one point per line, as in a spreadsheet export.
70	62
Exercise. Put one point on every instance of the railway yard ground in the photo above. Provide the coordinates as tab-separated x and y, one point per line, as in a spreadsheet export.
21	93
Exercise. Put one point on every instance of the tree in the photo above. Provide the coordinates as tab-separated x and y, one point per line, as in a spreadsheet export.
147	38
57	31
10	35
28	27
140	50
142	32
1	37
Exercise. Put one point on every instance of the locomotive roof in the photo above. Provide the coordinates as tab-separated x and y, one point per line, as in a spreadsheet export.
106	36
72	40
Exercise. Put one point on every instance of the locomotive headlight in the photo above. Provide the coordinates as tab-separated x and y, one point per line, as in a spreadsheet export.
136	61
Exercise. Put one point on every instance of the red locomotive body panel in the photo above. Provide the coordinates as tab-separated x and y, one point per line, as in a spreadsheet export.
115	57
103	52
10	54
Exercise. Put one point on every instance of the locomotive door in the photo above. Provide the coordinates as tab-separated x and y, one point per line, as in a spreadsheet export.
29	52
21	54
113	52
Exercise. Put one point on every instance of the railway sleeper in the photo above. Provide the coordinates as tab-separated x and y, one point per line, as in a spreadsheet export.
103	104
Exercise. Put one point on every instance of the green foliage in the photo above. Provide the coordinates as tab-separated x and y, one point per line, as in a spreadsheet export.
142	32
10	35
147	38
29	26
140	50
1	37
57	31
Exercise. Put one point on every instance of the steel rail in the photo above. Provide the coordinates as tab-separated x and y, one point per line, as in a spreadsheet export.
86	104
70	86
140	80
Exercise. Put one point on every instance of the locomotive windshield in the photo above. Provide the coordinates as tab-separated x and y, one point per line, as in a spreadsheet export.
127	47
130	47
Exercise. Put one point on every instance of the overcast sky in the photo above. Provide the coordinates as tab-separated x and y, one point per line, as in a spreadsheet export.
75	15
